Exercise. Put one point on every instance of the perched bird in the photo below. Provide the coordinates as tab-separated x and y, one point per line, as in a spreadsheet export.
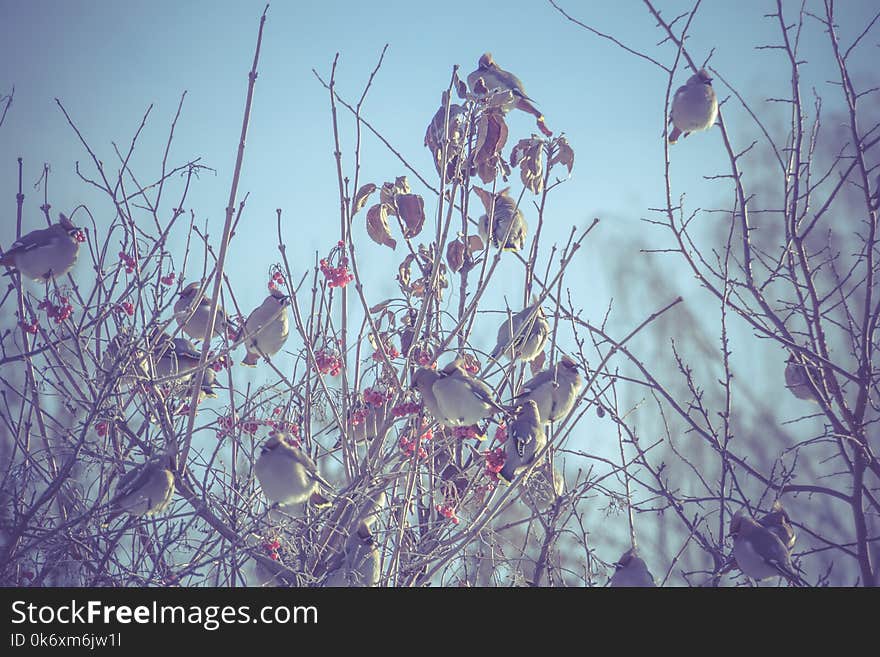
631	571
553	390
192	310
759	552
176	359
286	473
509	226
144	491
461	399
47	253
544	486
489	77
803	380
778	522
694	107
360	562
523	336
266	329
423	380
525	438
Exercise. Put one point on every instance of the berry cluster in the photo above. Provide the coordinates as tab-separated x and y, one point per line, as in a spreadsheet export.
409	445
60	312
31	328
424	358
271	548
468	432
169	279
390	349
357	417
337	276
448	512
328	363
276	280
494	462
130	262
79	236
375	397
407	408
221	363
501	433
101	429
127	308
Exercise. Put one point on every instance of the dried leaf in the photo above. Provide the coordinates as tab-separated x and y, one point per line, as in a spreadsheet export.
377	226
564	154
491	137
411	209
403	273
361	198
461	89
455	255
528	153
380	306
475	243
537	363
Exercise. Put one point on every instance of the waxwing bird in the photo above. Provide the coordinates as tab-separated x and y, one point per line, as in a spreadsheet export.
286	473
423	380
266	329
370	506
489	77
509	228
778	522
631	571
144	491
360	563
554	390
192	310
803	380
544	486
525	438
522	337
694	107
47	253
461	399
759	552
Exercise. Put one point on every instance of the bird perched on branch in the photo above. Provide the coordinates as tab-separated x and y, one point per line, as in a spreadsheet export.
489	77
778	522
47	253
144	491
522	336
553	390
759	551
286	473
525	438
631	571
803	380
461	399
509	228
694	107
266	329
360	566
192	310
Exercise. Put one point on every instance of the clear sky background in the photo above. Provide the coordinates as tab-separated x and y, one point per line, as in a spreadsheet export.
108	61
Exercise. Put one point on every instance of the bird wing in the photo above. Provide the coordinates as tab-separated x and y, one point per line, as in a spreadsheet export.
485	394
33	240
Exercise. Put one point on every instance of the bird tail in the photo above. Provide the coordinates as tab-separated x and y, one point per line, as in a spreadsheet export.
319	501
674	135
506	474
251	359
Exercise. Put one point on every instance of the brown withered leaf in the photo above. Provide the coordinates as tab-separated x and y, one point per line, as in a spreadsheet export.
537	363
564	154
361	198
377	226
461	89
380	306
411	209
475	243
528	153
403	273
390	190
491	137
455	254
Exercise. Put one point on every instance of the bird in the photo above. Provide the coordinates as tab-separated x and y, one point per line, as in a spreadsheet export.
554	390
523	336
47	253
760	552
802	380
509	228
370	506
461	399
144	491
631	571
266	329
694	107
286	473
544	486
192	310
489	77
778	522
423	380
360	565
525	438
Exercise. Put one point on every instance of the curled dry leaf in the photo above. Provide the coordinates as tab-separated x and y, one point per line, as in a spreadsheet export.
411	209
361	198
564	154
491	137
455	254
475	243
528	154
461	88
377	226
